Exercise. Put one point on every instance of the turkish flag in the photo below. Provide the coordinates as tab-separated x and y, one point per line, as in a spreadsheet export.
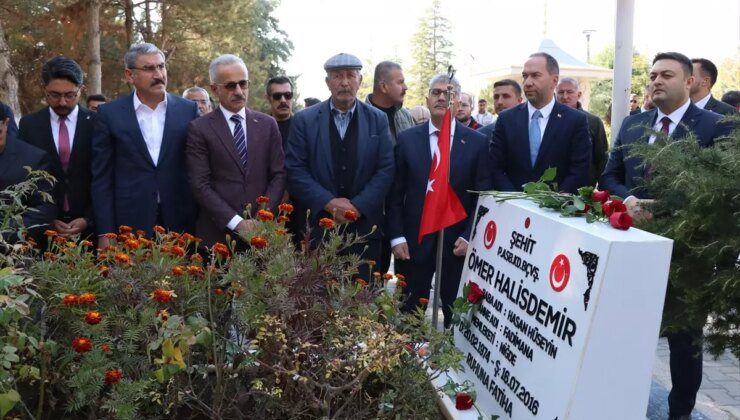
442	208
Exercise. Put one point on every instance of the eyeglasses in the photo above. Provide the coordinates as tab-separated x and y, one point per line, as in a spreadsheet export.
277	95
151	68
232	85
440	92
55	96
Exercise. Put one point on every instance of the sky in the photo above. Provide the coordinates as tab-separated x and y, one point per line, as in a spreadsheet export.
489	34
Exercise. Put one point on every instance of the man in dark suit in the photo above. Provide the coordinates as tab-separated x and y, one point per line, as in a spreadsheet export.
469	170
340	158
569	93
540	134
15	155
705	76
12	127
671	80
234	155
635	104
139	173
64	130
506	94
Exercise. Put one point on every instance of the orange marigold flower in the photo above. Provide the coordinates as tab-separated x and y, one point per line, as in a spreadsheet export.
178	271
187	237
400	277
362	282
162	295
123	229
283	219
50	233
376	274
177	251
93	317
371	263
258	242
82	344
159	229
263	200
104	270
212	269
281	231
195	270
387	276
424	301
287	208
87	298
140	233
221	250
218	291
401	284
113	376
110	236
164	249
59	240
145	242
351	215
50	256
87	243
265	215
70	300
105	347
132	243
163	314
196	258
326	223
122	258
31	242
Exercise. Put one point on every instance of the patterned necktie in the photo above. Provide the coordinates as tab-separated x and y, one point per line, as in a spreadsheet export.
240	140
65	150
535	137
666	124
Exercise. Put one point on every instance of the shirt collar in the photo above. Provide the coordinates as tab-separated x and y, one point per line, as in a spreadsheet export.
71	117
676	115
545	110
433	130
702	103
227	114
138	103
335	110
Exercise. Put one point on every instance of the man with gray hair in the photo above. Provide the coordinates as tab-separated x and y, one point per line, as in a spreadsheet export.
138	165
199	95
340	160
389	89
568	93
469	171
234	155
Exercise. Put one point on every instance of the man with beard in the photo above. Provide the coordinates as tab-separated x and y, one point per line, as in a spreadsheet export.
541	134
139	174
279	94
234	155
64	131
705	76
340	160
506	94
465	111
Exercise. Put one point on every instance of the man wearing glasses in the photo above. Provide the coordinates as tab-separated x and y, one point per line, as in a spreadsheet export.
199	95
64	131
279	93
234	155
139	174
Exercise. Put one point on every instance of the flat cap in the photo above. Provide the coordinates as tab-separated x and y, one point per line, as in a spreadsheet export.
343	61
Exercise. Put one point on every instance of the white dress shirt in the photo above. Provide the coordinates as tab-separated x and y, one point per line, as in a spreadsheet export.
484	119
545	111
433	139
151	124
674	116
70	123
234	222
702	103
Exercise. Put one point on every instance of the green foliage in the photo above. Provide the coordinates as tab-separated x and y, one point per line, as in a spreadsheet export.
698	206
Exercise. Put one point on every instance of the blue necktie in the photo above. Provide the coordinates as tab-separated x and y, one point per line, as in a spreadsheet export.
240	140
535	139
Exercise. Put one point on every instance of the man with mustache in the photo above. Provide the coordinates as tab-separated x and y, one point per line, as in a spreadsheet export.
234	155
279	94
540	134
340	159
139	174
469	171
64	131
199	95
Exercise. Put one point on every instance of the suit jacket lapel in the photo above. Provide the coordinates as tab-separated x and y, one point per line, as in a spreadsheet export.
687	123
425	149
254	137
81	130
362	138
50	146
138	138
223	132
552	129
169	119
458	149
521	132
323	135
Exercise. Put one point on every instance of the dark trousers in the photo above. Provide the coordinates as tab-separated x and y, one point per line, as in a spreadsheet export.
686	369
419	271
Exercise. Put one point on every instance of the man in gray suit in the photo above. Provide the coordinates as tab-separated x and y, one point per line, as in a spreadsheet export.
233	154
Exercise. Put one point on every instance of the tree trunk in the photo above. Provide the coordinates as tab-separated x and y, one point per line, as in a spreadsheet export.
94	79
128	12
147	32
8	79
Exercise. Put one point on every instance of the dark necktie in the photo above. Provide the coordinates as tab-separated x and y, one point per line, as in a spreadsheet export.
666	124
240	140
65	150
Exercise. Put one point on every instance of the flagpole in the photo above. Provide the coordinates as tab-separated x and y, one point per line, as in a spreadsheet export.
441	233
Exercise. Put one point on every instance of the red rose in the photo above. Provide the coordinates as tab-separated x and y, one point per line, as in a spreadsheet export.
600	196
620	220
463	401
613	206
475	295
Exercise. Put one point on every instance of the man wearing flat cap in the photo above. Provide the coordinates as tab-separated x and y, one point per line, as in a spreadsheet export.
340	158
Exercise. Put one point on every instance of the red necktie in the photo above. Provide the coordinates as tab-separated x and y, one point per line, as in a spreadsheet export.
666	123
64	152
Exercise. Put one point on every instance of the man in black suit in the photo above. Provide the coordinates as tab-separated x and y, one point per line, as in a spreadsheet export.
506	94
64	131
569	93
540	134
15	155
671	79
705	76
635	104
12	127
